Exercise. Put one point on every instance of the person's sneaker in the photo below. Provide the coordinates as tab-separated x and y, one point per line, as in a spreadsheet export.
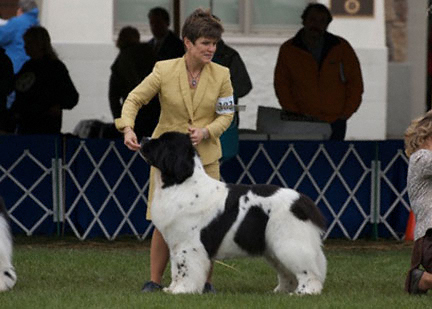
209	288
151	286
416	275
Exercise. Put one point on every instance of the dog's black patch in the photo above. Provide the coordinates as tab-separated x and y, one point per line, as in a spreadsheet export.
250	235
213	234
305	209
173	154
264	190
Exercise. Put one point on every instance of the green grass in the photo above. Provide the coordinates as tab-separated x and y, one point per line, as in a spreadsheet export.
66	273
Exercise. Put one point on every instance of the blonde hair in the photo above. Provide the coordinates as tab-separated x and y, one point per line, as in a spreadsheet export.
417	133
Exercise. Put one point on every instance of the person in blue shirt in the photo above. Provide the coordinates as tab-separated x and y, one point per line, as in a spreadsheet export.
11	34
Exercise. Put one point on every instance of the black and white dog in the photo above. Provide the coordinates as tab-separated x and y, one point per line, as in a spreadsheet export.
7	271
203	219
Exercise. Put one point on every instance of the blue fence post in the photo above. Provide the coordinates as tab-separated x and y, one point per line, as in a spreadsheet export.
56	186
376	167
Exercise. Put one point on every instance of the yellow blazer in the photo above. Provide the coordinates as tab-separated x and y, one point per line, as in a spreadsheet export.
169	79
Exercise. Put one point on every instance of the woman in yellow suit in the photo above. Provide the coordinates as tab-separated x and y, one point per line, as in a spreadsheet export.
196	98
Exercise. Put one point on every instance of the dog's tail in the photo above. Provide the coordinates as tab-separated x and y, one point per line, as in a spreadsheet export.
7	271
305	209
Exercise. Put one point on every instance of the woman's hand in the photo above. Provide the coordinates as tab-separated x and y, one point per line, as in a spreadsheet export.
130	139
197	135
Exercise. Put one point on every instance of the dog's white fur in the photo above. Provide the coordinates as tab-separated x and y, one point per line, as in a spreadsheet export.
180	212
7	271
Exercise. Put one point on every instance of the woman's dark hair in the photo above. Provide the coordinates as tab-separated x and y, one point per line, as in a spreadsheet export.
128	36
39	38
201	24
320	8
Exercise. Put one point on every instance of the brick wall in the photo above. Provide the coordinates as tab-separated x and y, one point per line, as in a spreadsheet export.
396	12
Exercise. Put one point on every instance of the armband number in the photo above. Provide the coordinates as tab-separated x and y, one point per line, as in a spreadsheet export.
225	105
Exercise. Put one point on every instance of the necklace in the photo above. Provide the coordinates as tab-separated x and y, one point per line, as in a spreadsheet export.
194	79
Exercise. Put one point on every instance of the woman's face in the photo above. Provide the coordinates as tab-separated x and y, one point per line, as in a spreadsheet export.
203	49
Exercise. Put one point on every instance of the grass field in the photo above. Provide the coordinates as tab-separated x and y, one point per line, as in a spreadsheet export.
67	273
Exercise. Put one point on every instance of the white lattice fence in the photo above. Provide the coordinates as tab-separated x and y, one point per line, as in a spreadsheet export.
351	198
111	192
101	188
400	200
30	201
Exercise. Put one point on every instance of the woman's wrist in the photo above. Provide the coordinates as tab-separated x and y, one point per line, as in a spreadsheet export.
127	130
205	133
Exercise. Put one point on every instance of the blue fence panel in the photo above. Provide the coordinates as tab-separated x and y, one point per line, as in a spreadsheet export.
97	187
26	182
394	204
334	174
106	190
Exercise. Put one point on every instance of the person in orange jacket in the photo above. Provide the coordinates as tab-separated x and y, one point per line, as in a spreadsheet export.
318	75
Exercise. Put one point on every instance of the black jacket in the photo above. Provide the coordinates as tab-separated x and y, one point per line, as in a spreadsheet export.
172	47
6	87
131	66
43	89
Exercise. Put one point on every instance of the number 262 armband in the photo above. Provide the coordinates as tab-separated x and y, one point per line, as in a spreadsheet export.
225	105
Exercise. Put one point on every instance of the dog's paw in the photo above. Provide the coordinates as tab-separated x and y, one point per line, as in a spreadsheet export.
172	289
7	279
179	289
312	287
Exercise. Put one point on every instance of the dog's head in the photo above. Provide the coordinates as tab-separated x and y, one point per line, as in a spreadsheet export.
173	154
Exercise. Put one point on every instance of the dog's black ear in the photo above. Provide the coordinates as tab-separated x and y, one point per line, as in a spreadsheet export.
176	168
177	165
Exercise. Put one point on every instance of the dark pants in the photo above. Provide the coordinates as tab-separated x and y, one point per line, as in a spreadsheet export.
421	255
338	130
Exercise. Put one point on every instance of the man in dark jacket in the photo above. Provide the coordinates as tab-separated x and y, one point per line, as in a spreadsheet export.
133	63
165	43
242	85
317	74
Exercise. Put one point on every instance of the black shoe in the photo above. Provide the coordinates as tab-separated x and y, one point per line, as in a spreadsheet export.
416	275
209	288
151	286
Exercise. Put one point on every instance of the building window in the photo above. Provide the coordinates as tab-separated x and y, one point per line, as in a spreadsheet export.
134	13
252	17
240	17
